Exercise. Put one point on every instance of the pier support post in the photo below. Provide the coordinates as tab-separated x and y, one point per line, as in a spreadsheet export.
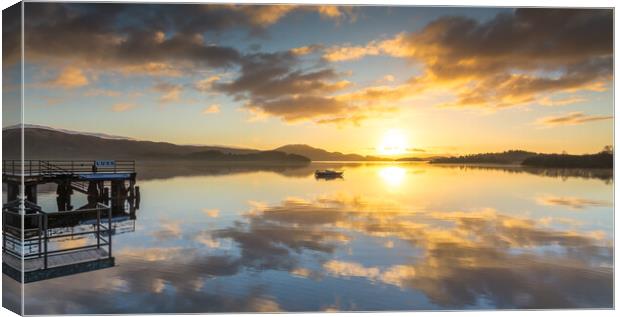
64	192
93	193
31	193
137	190
12	191
119	194
105	196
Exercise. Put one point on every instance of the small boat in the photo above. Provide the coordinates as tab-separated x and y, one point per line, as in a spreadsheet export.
327	174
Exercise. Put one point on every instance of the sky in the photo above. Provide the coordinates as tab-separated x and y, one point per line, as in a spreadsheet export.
374	80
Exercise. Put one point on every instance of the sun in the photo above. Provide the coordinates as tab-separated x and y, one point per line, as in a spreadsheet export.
393	143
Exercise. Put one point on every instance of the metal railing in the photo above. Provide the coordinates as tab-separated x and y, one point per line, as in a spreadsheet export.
40	241
63	167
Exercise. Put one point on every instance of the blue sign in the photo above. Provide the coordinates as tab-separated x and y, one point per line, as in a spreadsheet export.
105	163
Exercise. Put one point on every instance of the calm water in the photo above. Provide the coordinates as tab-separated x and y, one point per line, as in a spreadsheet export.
386	237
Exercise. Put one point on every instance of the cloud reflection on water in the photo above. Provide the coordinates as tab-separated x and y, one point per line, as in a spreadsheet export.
455	258
466	256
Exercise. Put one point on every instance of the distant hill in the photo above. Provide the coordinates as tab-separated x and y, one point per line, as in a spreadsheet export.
317	154
55	144
507	157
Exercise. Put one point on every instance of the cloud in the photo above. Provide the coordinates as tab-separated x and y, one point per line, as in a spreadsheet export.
161	40
509	60
571	118
463	255
169	230
455	259
123	107
151	69
11	36
214	108
305	50
70	77
168	41
389	78
571	202
273	84
105	42
212	213
350	269
206	84
264	15
178	292
515	58
170	92
552	102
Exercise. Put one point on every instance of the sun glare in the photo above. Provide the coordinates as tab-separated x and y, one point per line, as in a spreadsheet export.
393	176
393	143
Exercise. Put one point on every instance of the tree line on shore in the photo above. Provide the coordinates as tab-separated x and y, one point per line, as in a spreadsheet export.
602	159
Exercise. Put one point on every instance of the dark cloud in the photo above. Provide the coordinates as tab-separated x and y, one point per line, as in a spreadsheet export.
269	75
275	84
120	35
143	33
172	40
11	34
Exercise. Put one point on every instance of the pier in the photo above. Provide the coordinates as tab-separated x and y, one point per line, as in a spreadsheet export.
69	240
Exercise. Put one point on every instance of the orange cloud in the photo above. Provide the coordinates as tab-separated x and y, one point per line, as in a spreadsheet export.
123	107
305	50
500	63
212	213
151	69
214	108
70	77
571	202
206	84
571	118
552	102
170	92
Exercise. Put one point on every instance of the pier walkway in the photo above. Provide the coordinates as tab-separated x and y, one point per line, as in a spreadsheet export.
42	171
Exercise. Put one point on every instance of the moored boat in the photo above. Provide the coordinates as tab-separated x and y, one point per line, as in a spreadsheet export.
327	174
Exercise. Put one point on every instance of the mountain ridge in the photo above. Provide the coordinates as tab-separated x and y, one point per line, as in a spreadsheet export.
318	154
42	142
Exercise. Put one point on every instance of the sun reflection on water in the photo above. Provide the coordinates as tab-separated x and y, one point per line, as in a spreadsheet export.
393	176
